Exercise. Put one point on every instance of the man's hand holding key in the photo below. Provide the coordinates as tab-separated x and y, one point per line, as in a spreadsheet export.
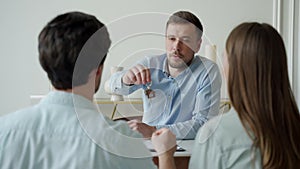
137	75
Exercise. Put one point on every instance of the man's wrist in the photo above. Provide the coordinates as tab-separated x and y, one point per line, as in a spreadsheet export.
166	155
166	162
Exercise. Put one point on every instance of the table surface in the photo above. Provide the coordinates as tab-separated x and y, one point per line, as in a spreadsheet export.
185	144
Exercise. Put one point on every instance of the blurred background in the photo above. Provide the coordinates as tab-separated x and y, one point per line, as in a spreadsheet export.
137	29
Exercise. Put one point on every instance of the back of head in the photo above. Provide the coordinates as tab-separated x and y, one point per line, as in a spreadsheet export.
185	17
260	91
63	47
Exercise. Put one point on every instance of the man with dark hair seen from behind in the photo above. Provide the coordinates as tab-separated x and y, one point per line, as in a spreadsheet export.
52	134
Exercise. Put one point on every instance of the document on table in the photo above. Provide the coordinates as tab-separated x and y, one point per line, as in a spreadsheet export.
184	147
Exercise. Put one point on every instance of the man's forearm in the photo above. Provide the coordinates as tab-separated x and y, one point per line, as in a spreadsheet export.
116	85
185	130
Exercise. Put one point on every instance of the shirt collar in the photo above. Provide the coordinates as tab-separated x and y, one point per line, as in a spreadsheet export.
67	99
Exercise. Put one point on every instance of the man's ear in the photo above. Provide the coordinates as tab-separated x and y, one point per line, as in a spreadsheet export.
99	70
199	42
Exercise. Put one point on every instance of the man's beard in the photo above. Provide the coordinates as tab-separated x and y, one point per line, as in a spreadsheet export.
180	63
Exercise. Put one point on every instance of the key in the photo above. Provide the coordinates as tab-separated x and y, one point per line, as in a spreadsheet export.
149	92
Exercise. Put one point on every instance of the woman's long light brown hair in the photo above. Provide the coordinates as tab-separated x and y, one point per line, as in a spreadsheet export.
259	89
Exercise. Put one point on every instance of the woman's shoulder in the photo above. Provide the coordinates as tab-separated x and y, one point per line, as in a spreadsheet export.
225	129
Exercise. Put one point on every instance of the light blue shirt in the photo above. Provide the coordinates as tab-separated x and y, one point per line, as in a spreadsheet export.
223	143
182	104
66	131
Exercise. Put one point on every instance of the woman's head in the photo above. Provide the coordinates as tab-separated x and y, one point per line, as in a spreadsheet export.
259	89
257	62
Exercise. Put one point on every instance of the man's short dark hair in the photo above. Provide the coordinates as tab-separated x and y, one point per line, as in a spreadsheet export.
63	50
184	17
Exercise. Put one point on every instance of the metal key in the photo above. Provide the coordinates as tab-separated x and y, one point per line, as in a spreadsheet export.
149	92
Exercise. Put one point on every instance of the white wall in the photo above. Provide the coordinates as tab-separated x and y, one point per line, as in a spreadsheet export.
289	29
21	21
296	70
